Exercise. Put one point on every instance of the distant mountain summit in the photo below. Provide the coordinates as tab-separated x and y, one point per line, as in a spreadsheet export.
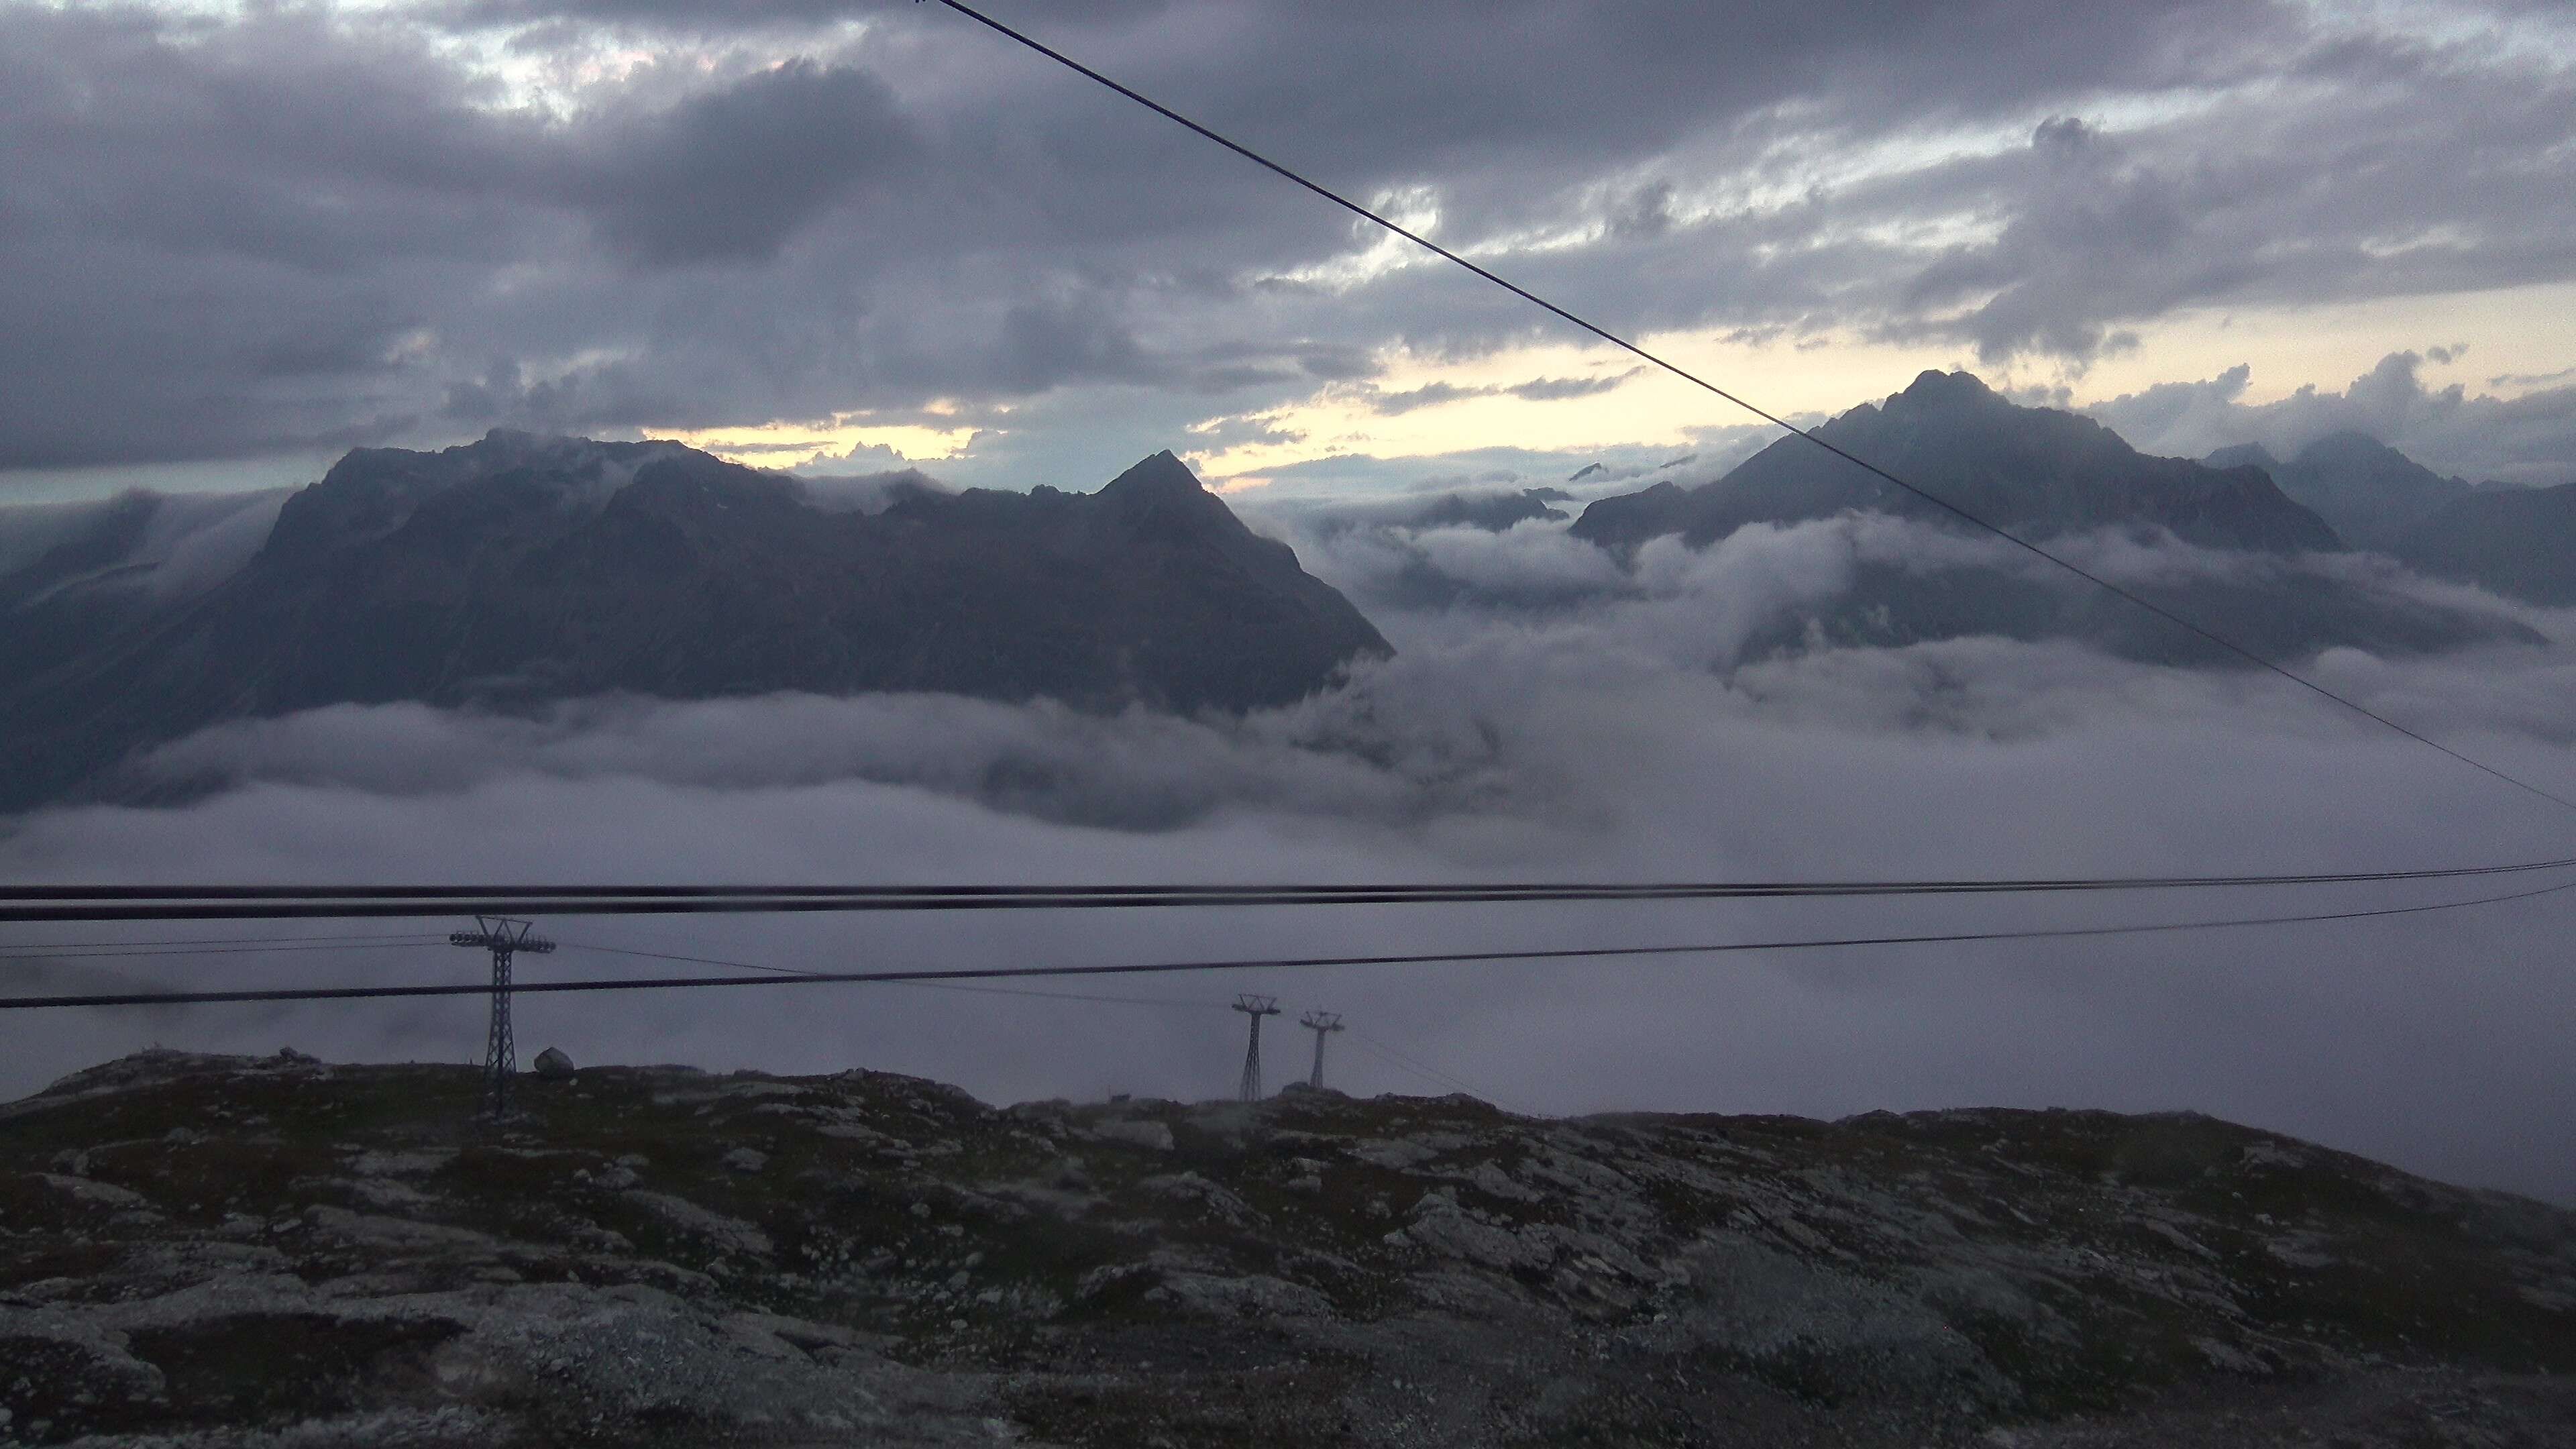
2036	471
2371	493
522	569
2509	540
2046	474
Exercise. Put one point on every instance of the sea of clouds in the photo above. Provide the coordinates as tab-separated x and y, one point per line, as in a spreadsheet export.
1555	717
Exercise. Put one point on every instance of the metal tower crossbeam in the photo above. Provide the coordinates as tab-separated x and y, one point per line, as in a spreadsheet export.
1255	1007
1322	1024
504	938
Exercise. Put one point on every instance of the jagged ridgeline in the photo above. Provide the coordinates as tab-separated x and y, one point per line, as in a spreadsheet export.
522	569
2271	579
2031	470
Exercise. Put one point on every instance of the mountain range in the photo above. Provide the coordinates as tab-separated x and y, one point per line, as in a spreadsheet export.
2284	589
2371	493
521	569
2032	470
2510	540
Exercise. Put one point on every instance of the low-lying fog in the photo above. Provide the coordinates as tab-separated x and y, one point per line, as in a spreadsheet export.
1557	719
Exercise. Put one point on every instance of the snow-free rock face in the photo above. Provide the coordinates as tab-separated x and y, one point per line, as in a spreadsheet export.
227	1251
2514	541
2265	579
2037	471
521	569
2373	494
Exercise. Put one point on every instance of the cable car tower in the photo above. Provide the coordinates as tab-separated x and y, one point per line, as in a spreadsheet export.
1322	1024
1255	1007
504	938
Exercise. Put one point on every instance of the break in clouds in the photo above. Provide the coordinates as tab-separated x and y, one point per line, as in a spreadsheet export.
258	235
270	232
1546	720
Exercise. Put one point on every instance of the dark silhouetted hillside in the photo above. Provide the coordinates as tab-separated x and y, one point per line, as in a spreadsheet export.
521	569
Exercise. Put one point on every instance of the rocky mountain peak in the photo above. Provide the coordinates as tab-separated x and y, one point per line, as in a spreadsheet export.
521	569
2350	447
2243	455
1161	476
1935	389
2374	495
2040	471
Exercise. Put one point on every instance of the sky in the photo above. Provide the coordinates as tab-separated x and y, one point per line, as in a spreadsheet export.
237	239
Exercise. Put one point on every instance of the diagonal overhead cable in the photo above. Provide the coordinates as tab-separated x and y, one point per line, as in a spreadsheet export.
1424	1069
1275	963
57	903
1695	380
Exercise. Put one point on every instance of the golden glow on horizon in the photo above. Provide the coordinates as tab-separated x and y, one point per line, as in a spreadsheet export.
2524	330
2517	331
784	444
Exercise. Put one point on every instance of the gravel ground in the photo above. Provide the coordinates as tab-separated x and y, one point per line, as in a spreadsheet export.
209	1251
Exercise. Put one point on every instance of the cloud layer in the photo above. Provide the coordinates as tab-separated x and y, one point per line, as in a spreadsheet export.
2529	438
287	229
1621	738
279	230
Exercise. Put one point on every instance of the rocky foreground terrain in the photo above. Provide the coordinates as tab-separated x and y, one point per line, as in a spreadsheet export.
226	1251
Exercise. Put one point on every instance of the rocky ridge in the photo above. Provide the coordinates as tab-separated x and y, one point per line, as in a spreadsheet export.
209	1251
519	571
2040	472
2271	575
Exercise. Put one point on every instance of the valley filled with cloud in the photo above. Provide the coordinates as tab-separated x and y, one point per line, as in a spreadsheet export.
882	252
1554	718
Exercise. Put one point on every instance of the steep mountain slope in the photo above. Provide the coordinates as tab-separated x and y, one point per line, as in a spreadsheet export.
2517	542
523	569
2266	580
73	576
2520	542
220	1252
2371	493
2033	470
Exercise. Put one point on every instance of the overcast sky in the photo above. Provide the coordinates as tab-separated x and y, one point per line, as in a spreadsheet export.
238	237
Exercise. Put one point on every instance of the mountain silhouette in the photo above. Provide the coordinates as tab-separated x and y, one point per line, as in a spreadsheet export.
2046	474
2036	471
2371	493
522	569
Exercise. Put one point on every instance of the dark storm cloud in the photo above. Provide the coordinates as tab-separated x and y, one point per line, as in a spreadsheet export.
301	227
264	237
1537	389
2317	204
731	175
